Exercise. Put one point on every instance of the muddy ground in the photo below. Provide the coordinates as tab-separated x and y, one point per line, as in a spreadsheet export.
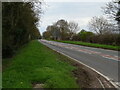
87	78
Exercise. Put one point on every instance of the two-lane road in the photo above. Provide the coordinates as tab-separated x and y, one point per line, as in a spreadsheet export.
102	60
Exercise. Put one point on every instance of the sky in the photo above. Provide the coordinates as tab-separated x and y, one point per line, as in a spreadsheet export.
77	11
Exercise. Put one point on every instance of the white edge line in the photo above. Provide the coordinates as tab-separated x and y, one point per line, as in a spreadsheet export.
101	83
111	58
90	68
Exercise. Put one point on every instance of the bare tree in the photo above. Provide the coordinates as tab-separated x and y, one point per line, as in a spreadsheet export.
100	25
73	28
112	9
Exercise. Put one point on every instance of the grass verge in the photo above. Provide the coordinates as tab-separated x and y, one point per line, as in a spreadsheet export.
35	63
92	45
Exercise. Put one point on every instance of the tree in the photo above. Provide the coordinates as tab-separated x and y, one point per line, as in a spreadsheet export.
63	27
73	28
19	26
47	35
85	35
53	31
112	9
62	30
59	30
100	25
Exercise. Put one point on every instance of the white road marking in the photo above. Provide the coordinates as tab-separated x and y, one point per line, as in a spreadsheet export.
101	83
115	84
84	50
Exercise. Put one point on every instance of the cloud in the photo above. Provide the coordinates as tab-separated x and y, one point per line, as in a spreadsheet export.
80	12
51	19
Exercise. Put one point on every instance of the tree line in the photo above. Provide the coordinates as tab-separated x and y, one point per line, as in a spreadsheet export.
61	30
103	31
19	25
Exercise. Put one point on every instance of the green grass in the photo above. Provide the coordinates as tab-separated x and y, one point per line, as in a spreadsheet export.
92	45
35	63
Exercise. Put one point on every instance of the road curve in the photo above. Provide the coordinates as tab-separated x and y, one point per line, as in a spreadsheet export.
104	61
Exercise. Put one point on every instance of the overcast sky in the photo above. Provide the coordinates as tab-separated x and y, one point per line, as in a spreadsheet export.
80	12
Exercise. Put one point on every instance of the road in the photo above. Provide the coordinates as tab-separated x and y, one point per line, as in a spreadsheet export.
102	60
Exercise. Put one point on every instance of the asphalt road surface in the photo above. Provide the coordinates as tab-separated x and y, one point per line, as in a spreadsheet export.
104	61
